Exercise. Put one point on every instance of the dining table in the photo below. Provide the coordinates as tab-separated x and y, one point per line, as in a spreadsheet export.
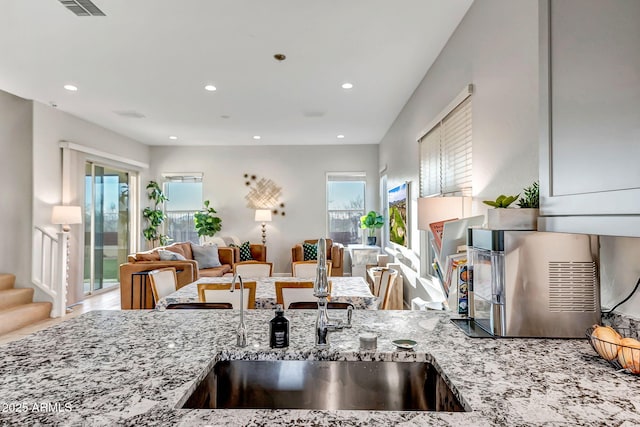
354	290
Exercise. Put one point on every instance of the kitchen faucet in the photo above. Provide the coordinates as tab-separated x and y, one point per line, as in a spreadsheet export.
241	332
324	324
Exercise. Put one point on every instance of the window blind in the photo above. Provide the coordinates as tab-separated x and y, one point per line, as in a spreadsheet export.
446	154
456	150
182	177
430	163
346	176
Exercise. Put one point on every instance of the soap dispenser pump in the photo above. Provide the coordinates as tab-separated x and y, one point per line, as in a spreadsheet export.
279	330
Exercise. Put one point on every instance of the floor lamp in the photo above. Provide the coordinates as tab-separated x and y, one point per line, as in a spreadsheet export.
64	216
264	216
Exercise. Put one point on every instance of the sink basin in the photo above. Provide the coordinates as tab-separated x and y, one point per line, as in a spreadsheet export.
335	385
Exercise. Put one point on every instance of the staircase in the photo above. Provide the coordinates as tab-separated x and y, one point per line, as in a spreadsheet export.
17	308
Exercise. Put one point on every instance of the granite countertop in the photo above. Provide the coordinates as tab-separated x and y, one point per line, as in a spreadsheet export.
134	367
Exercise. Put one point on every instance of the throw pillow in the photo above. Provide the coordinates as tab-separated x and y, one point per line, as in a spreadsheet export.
170	256
310	251
245	251
207	256
177	248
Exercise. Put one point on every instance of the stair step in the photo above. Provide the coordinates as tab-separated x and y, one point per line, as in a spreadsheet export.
16	296
22	315
7	280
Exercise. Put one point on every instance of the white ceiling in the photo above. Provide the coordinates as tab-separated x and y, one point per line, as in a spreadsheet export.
154	57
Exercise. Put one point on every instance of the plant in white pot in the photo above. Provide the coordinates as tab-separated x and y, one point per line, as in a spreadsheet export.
523	218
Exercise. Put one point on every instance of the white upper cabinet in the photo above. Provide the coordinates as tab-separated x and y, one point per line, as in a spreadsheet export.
590	116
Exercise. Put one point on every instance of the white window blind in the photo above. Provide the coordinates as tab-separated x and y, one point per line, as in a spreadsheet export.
446	153
456	150
430	163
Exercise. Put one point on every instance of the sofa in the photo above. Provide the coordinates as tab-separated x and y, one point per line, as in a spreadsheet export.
132	273
335	254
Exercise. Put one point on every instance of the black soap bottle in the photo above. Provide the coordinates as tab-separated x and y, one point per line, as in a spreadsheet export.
279	330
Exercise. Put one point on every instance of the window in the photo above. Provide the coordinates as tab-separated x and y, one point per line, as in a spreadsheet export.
345	206
445	151
185	198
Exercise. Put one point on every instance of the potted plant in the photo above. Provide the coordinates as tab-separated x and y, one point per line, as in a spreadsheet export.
206	222
371	221
155	216
525	217
531	198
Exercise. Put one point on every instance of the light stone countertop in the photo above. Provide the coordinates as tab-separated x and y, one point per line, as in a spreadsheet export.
134	367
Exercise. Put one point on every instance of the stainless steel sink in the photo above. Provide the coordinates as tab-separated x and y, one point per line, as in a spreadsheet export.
352	385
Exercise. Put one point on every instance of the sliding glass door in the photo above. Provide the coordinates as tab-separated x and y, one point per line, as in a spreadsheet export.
106	226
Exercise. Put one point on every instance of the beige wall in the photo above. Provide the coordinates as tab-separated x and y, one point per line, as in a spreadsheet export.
299	170
16	194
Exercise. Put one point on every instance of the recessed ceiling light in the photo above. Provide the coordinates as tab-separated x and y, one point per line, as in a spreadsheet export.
256	136
71	88
210	88
347	86
173	137
340	136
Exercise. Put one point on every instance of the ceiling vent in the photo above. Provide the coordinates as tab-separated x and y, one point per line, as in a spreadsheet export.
82	7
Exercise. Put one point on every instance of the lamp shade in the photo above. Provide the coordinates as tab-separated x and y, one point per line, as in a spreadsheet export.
66	215
263	215
434	209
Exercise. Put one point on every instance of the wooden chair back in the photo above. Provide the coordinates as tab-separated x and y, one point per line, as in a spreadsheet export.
221	292
253	269
307	269
387	282
163	282
289	292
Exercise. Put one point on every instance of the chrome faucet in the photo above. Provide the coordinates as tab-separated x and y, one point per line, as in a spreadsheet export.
241	332
324	324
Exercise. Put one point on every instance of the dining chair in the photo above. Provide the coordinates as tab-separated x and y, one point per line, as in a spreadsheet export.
307	269
312	305
163	282
387	282
221	292
200	306
253	269
289	292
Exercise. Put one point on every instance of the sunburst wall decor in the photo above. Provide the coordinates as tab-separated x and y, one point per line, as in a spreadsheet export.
263	194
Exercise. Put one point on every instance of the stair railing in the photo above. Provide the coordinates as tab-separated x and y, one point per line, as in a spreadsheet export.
50	267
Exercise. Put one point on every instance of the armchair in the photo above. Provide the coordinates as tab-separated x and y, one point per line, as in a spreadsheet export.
335	254
258	252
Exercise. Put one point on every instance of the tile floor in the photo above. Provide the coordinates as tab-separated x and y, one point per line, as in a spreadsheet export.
109	300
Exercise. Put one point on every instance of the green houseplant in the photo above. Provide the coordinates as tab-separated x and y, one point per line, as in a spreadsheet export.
502	202
531	197
371	221
155	216
206	222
